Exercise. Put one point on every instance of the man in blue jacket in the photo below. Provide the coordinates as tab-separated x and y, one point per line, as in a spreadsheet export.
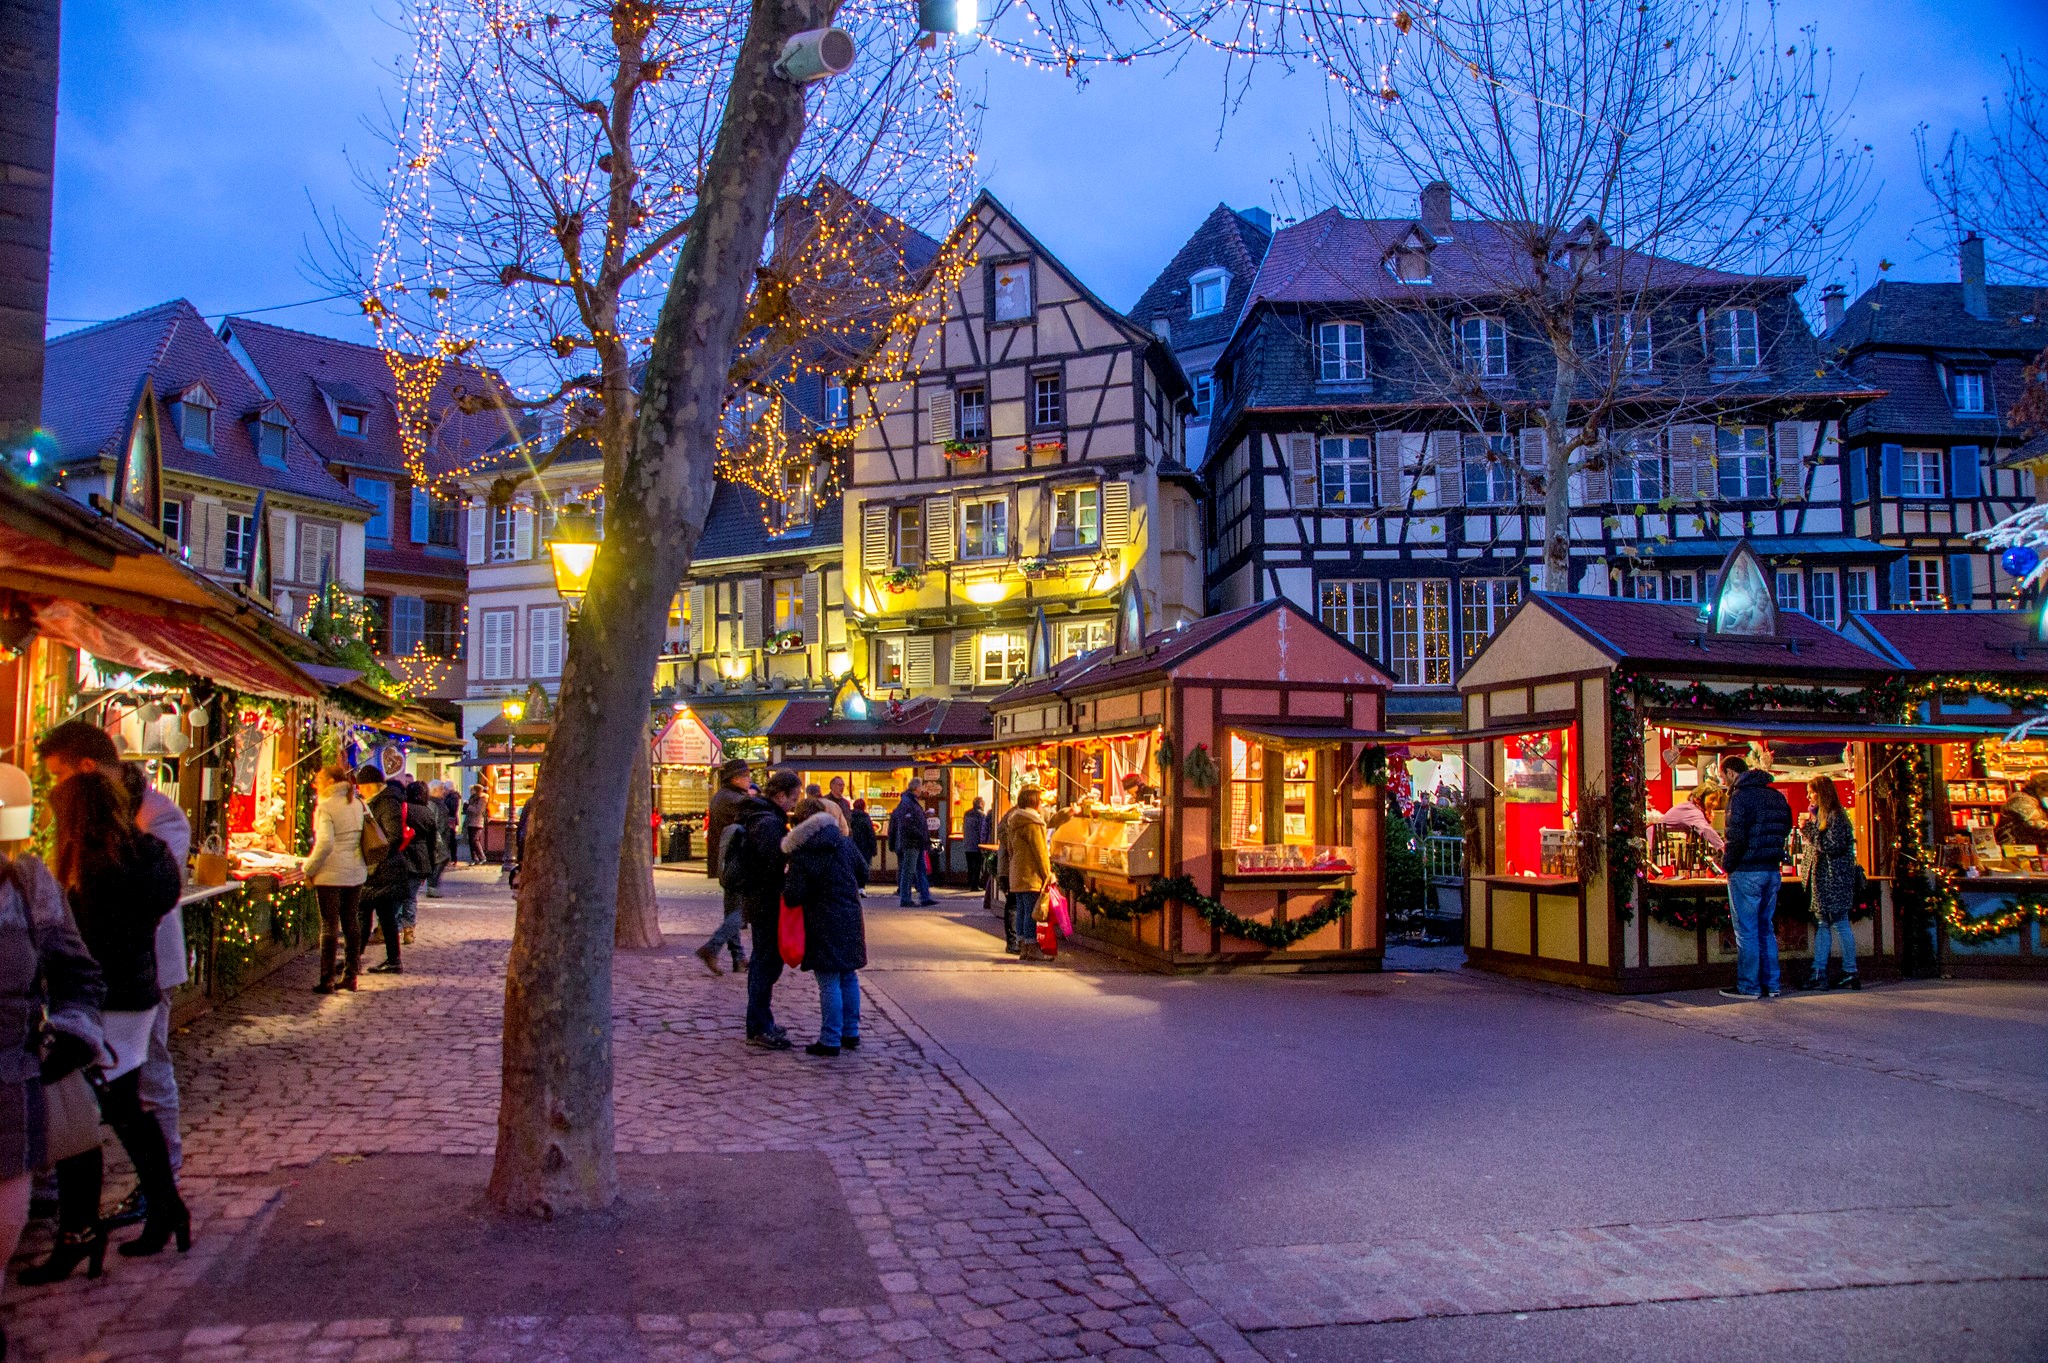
1758	821
910	838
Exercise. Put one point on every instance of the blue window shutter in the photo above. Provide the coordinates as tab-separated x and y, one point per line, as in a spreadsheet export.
1898	575
1962	582
1891	458
1859	474
1966	465
422	507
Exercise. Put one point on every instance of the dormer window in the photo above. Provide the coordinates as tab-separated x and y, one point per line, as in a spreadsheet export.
1966	390
352	421
1734	339
1206	292
195	417
1409	260
270	441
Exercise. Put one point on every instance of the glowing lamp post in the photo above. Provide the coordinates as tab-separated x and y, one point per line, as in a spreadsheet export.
573	547
515	710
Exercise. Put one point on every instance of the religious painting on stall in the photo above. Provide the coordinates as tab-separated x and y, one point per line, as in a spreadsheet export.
1745	602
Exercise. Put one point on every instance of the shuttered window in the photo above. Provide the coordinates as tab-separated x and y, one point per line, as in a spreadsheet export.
498	629
1347	471
316	551
544	631
408	624
1116	514
238	542
1744	457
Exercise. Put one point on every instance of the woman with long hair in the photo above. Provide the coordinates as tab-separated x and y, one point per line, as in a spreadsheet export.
336	870
1827	860
121	882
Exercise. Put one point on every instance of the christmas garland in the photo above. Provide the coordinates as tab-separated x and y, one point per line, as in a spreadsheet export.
1155	897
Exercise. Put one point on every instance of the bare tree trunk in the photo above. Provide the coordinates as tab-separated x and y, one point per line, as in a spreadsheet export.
638	924
555	1143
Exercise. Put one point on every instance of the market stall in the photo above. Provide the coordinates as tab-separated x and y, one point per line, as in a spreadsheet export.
1214	792
1985	668
1596	730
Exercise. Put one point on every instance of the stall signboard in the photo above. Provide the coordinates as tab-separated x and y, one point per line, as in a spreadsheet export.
685	741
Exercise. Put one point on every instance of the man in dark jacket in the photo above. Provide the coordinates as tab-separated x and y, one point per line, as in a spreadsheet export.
763	819
1758	820
910	839
976	828
427	850
391	880
726	802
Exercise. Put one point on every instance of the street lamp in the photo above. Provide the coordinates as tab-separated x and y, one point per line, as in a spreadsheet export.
515	710
573	547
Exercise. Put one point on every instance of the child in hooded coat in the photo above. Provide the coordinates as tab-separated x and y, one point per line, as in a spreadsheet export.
824	879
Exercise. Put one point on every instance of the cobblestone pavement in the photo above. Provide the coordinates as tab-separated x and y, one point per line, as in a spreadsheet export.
987	1248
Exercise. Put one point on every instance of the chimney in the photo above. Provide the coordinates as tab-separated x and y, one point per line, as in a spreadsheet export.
1259	218
1832	301
1976	299
1436	210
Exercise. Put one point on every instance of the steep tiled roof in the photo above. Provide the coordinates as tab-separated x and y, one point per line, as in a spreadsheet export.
91	379
1227	240
1898	337
1666	632
1896	313
1958	641
735	528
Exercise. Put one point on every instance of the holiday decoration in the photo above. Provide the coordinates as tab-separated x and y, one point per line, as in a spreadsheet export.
1200	768
2020	560
1156	896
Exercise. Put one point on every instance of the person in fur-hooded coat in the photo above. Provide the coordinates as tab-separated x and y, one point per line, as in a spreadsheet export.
824	880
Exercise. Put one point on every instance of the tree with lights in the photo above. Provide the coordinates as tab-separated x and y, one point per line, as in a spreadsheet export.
1610	162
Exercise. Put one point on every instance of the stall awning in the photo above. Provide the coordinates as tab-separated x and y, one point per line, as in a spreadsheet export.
1309	734
154	642
1837	731
827	762
1505	729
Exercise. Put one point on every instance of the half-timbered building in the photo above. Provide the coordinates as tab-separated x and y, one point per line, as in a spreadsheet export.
1029	460
1343	476
1934	459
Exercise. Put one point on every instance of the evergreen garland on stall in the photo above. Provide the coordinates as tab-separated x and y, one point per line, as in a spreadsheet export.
1155	897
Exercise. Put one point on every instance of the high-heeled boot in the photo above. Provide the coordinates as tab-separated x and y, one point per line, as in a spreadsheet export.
165	1216
81	1235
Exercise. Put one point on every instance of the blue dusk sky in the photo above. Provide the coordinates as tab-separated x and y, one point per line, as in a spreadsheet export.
199	143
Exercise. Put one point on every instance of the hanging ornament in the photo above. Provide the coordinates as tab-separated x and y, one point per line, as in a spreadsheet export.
2019	560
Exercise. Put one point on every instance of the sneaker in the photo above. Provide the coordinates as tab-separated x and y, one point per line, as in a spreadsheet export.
820	1048
709	956
768	1041
849	1043
1740	994
1774	993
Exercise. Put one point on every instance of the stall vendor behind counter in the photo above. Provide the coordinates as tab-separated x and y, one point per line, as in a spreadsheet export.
2024	818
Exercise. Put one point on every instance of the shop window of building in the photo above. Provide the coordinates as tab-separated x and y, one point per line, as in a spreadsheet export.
838	404
1923	582
787	594
1786	587
1048	402
1920	473
1077	518
1419	622
238	542
1247	808
1966	387
497	638
1206	291
1485	603
1347	470
1489	471
1083	636
1533	813
1679	586
1351	610
544	641
1625	336
1734	338
906	536
1824	598
377	613
1483	346
970	413
172	522
985	528
1635	469
317	543
442	629
1341	348
1011	290
270	437
1205	394
1276	796
377	492
504	534
1743	455
1860	592
999	656
888	664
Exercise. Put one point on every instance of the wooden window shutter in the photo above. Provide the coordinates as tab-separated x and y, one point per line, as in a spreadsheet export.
282	559
479	531
210	544
917	660
522	534
750	613
701	632
941	409
1116	513
1594	483
963	660
1692	462
1447	458
1787	443
1535	454
814	608
939	530
422	515
1390	485
874	538
1301	464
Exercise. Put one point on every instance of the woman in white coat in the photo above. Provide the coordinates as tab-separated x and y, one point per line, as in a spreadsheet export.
336	870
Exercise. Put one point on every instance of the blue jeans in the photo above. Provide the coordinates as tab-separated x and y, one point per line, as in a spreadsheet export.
910	875
1752	905
727	934
838	1005
1844	934
1023	904
763	970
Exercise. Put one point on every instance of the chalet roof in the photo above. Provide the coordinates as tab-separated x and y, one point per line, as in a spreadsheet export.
1956	641
1896	314
736	526
93	377
939	721
1331	258
1226	240
1660	632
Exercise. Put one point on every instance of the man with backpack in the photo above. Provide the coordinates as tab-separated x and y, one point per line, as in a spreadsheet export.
720	821
751	868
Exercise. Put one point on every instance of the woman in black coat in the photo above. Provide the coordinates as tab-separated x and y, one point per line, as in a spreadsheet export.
427	852
121	883
824	879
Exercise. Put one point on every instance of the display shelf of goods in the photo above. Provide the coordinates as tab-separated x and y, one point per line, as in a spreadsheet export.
1291	859
1115	842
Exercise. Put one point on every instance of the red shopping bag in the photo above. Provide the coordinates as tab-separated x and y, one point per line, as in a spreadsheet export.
1058	911
1048	938
789	935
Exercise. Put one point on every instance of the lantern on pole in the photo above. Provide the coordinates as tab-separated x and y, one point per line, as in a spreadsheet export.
573	547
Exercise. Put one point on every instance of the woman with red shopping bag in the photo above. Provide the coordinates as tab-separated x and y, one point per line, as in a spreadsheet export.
823	882
1030	868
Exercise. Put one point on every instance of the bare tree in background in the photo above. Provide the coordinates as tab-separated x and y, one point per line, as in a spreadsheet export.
1624	159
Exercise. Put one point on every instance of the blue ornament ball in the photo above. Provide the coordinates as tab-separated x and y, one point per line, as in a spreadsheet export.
2019	560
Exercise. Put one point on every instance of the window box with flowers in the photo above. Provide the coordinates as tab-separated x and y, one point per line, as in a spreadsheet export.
786	641
903	579
965	449
1050	445
1037	569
